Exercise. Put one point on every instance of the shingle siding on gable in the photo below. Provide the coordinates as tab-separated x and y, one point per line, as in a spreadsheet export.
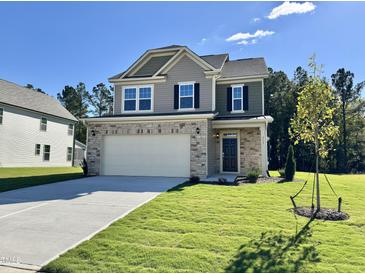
152	65
186	70
254	99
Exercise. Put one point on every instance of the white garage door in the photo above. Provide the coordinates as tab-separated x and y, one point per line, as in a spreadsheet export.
146	155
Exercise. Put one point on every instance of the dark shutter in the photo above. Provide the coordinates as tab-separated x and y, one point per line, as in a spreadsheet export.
229	99
176	96
245	97
196	95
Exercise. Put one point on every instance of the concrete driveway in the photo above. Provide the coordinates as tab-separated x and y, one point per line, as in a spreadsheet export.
39	223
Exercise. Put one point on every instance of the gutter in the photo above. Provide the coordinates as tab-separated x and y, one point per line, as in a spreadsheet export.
143	118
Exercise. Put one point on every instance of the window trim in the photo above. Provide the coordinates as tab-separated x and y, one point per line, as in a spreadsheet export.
232	103
44	151
1	115
193	96
40	127
72	130
137	87
69	154
36	150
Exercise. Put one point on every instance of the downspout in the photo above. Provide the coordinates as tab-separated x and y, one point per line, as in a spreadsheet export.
73	145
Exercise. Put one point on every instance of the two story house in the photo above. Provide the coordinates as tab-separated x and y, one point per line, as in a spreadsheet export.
35	129
179	114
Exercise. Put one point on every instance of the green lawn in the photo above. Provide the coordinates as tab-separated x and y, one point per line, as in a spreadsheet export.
13	178
211	228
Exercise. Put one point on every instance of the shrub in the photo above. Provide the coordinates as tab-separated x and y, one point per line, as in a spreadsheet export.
222	181
282	172
253	174
290	165
194	179
84	167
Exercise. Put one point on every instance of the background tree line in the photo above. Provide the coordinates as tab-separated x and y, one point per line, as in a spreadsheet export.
281	95
81	103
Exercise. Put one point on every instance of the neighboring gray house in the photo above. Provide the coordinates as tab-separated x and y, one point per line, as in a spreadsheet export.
35	129
180	114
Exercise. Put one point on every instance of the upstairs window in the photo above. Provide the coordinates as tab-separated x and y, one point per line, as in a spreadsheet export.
37	149
43	124
70	129
237	99
46	152
1	115
186	95
69	153
137	98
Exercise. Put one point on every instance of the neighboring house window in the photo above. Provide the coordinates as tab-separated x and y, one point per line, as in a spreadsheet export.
46	152
186	95
137	98
1	115
70	129
69	153
44	124
37	149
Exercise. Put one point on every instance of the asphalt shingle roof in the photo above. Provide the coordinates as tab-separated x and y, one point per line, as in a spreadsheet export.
216	60
244	67
235	68
13	94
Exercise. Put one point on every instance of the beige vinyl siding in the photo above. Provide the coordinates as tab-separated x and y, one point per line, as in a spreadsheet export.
254	99
186	70
20	132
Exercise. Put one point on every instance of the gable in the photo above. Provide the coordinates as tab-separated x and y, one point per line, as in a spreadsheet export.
152	65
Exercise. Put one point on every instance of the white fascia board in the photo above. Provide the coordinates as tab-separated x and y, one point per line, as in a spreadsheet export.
141	80
233	80
253	122
142	118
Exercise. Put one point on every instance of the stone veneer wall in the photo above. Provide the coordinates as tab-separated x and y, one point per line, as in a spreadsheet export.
250	150
198	143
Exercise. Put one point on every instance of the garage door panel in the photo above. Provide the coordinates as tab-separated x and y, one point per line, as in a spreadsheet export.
146	155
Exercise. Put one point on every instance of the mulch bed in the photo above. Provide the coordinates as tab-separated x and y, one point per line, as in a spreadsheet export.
264	180
329	214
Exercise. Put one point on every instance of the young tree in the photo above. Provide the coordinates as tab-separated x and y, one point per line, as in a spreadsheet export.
313	121
101	99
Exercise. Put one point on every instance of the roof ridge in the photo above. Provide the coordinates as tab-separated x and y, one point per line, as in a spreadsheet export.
213	54
243	59
26	89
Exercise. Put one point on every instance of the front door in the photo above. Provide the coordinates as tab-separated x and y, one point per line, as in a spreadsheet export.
230	155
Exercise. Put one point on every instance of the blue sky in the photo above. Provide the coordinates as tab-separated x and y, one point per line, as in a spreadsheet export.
55	44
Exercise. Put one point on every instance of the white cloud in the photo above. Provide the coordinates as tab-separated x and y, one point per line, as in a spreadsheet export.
245	36
243	42
202	41
287	8
256	19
